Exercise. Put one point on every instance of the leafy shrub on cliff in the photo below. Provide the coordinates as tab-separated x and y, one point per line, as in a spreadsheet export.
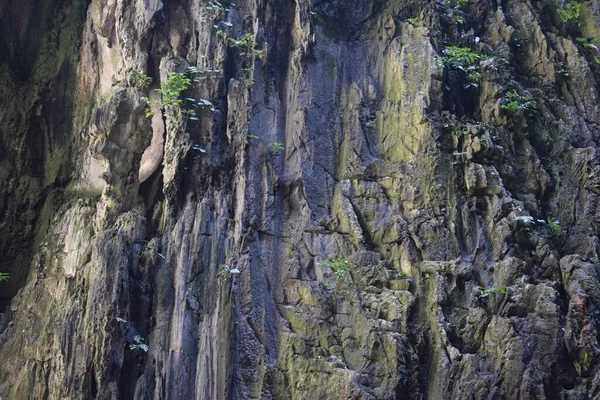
247	44
569	11
514	103
172	90
464	59
140	80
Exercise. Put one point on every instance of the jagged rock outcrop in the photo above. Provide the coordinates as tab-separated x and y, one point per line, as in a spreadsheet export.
336	206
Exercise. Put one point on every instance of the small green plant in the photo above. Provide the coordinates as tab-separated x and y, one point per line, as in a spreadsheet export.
172	90
416	21
456	4
464	59
4	276
225	272
248	43
121	320
216	11
216	8
275	147
526	219
222	27
485	292
140	80
569	11
138	344
587	43
513	106
251	136
514	103
554	225
340	266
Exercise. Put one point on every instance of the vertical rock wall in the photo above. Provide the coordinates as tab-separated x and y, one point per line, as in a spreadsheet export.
38	71
339	140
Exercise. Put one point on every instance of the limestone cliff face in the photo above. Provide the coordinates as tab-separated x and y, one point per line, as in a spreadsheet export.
353	211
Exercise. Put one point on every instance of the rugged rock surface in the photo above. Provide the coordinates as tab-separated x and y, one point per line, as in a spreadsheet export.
344	137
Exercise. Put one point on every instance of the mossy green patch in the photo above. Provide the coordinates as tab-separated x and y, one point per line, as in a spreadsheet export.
407	73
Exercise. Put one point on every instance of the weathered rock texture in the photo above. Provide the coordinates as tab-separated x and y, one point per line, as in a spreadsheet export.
347	140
